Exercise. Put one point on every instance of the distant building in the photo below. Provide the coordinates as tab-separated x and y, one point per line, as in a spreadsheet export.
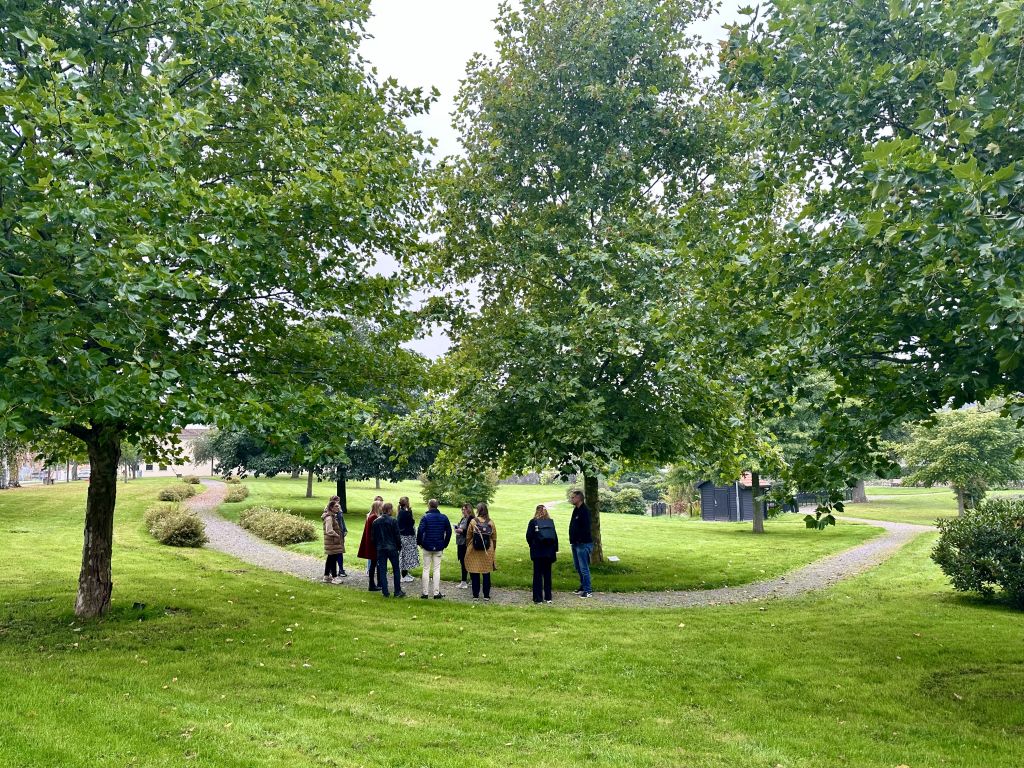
187	466
732	503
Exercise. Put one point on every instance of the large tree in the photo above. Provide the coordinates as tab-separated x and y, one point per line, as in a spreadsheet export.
581	341
184	187
970	449
895	127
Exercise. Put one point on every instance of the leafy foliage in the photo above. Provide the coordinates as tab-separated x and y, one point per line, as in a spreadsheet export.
191	200
889	146
457	488
583	139
176	527
984	549
277	526
630	501
971	449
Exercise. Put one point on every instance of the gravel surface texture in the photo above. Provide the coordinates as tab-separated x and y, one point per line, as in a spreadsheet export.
231	539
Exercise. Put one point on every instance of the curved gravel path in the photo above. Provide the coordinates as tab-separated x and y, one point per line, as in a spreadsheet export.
231	539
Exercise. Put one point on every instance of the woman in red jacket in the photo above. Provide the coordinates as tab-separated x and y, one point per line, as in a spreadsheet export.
367	549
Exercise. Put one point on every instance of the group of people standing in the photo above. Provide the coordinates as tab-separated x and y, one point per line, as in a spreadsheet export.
397	539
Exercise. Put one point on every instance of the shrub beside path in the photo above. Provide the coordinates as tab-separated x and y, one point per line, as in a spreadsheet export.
229	538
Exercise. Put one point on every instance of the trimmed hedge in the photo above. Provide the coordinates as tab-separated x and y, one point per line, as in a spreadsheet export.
170	524
277	526
190	479
178	492
984	549
237	493
232	480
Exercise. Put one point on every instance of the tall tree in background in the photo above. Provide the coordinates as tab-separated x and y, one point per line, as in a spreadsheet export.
896	128
970	449
183	187
581	341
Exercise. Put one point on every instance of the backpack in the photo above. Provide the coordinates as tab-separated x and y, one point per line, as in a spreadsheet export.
546	530
482	536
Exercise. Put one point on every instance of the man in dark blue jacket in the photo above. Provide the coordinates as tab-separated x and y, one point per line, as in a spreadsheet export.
581	540
433	535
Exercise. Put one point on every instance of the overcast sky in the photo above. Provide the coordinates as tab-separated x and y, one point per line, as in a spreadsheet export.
427	43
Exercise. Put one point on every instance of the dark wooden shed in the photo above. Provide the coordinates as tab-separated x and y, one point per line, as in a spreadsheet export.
731	503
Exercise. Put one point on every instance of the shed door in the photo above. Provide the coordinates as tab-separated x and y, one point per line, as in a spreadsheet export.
722	504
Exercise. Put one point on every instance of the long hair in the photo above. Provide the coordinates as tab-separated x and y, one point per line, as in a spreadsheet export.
403	503
467	510
541	513
375	509
481	511
387	509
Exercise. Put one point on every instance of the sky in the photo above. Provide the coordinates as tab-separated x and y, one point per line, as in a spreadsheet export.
426	43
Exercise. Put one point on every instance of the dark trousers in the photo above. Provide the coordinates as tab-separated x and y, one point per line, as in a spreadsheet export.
371	572
542	579
332	565
476	584
462	560
383	558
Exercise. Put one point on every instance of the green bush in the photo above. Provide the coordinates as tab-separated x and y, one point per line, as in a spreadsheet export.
190	479
984	549
232	480
178	492
170	524
456	488
278	526
652	488
237	493
630	502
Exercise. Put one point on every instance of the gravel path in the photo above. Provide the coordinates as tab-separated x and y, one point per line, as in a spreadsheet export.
231	539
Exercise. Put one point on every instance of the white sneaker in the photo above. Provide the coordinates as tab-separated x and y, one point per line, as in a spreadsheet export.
338	580
407	579
463	585
328	580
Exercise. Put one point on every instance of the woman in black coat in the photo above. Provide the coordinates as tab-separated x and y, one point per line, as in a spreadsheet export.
543	540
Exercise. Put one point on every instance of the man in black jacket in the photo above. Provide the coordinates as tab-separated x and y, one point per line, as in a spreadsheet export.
389	543
581	540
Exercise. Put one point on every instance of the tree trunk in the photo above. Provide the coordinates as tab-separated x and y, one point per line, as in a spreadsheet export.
960	505
376	483
755	498
309	484
74	470
94	581
340	490
295	473
593	501
860	493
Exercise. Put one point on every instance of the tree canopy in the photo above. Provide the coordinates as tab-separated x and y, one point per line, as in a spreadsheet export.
191	198
581	341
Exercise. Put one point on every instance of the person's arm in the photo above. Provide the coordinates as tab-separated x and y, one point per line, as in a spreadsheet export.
419	532
530	533
447	533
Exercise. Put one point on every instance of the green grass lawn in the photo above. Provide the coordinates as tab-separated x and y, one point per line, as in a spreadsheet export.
205	661
655	553
911	505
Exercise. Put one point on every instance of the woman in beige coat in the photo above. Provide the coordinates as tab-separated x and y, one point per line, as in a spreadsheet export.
334	541
481	543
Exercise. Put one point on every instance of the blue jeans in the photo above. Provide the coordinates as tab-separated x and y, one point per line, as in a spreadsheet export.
581	561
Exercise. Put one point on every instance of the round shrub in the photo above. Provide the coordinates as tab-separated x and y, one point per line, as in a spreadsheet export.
984	549
652	488
190	479
232	480
178	492
278	526
237	493
630	502
170	524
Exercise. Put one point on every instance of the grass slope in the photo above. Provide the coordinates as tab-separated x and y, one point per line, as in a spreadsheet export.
655	553
230	666
911	505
